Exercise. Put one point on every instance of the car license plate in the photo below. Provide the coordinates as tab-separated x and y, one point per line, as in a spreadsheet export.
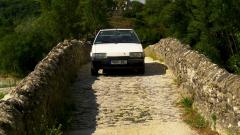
119	62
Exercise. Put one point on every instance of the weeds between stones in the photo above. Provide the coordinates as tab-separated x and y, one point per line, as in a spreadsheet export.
2	95
178	81
195	119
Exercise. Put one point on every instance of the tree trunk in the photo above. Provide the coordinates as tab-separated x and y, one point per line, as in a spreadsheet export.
229	42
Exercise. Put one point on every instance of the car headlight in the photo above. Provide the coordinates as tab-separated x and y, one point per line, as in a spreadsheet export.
136	54
99	55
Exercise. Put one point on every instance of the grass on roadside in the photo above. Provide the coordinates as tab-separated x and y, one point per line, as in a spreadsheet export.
151	54
2	95
8	83
178	81
195	119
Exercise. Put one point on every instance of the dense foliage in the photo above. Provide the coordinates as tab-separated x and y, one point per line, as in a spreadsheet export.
30	28
211	27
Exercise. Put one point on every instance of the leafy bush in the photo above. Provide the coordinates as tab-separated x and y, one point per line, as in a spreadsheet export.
186	102
209	50
206	25
149	36
196	120
29	29
191	116
234	64
55	131
2	95
214	120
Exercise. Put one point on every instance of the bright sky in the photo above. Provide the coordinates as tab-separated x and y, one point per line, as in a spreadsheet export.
143	1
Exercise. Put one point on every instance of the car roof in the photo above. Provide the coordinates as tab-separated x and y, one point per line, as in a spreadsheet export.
113	29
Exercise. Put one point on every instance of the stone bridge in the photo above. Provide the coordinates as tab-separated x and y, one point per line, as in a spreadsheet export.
121	103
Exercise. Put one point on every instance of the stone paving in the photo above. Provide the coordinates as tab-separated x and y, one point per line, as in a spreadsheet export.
127	104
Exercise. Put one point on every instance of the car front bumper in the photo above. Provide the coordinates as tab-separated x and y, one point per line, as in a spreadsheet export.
107	63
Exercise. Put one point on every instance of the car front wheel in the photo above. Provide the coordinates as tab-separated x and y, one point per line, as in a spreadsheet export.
141	70
94	71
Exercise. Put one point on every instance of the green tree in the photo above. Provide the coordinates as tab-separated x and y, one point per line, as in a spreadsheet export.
95	14
29	29
135	10
211	27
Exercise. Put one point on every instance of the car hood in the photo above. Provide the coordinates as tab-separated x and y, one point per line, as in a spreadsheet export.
118	49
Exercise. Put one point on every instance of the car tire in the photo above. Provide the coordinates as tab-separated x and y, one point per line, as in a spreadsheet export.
94	71
141	70
106	71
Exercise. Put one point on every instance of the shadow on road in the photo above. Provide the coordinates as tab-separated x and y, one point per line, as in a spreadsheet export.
83	119
83	96
155	68
151	69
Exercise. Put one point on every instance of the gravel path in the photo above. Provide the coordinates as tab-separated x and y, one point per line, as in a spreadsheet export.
127	104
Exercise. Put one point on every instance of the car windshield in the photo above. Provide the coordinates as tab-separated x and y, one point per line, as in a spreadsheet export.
117	36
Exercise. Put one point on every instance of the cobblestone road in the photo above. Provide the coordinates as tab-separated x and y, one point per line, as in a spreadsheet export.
127	104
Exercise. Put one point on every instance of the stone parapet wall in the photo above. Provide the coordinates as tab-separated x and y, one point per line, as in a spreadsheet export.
216	92
40	99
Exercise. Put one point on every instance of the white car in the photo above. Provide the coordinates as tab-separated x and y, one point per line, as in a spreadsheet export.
117	49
